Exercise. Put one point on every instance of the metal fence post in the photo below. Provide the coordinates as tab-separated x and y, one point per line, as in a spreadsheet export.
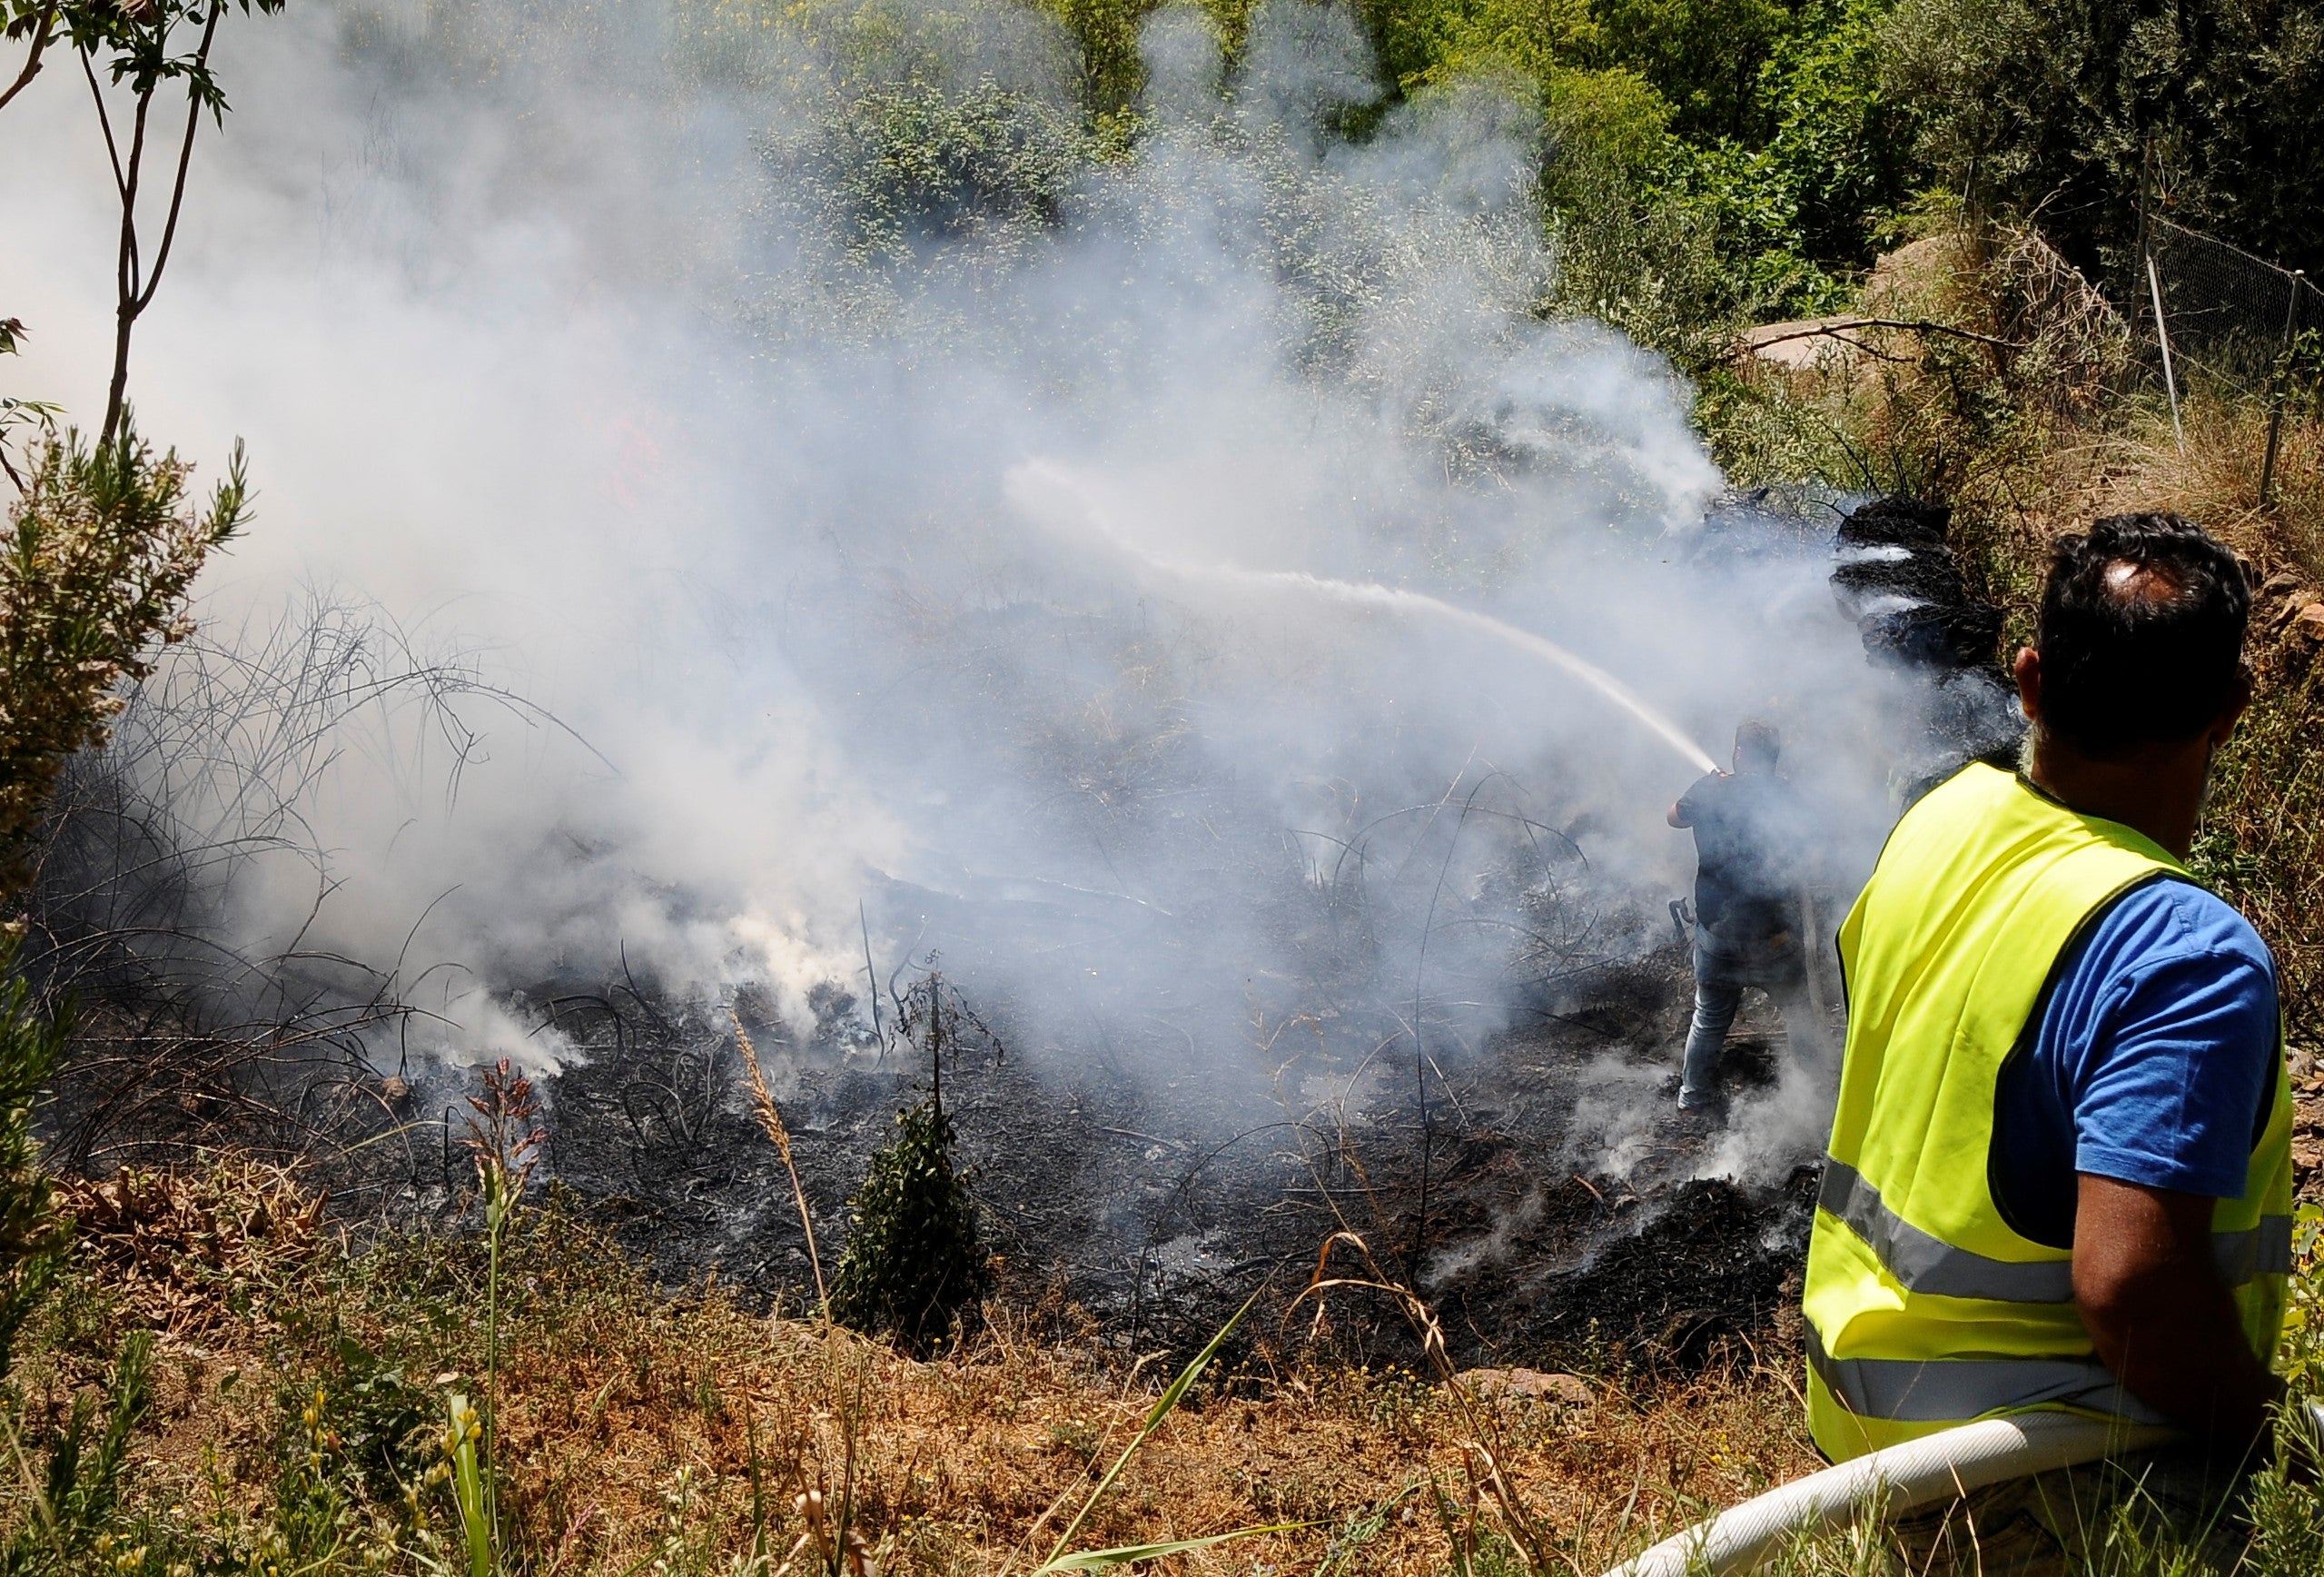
2163	337
2276	386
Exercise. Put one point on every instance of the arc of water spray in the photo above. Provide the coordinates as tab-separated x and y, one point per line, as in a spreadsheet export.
1046	492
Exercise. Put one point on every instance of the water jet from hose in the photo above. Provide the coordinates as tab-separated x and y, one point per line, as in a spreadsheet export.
1046	492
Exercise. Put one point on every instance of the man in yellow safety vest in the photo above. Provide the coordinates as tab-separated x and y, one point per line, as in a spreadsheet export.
2060	1173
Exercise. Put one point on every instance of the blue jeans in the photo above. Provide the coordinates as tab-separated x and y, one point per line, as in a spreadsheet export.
1723	970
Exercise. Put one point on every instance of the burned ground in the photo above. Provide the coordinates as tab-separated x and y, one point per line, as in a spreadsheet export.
1143	1175
1158	1206
1142	1161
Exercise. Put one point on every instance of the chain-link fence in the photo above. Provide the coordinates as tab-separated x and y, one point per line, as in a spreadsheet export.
2231	313
2214	310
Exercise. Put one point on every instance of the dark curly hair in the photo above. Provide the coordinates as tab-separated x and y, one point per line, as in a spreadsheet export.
2136	658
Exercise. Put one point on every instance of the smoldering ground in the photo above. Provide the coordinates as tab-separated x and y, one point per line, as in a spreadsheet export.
650	381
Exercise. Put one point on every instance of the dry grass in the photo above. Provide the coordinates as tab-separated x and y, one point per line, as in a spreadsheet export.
2048	423
642	1429
631	1420
2263	843
2216	480
174	1247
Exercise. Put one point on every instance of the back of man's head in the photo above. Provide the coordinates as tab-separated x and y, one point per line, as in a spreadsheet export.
1757	747
2142	634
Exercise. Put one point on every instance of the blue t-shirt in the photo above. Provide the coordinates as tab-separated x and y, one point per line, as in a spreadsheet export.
2154	1062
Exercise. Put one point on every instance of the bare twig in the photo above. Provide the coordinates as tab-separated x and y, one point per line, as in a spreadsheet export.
871	973
105	121
1839	330
186	1039
136	284
184	161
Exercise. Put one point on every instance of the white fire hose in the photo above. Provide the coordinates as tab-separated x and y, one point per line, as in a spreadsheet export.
1903	1478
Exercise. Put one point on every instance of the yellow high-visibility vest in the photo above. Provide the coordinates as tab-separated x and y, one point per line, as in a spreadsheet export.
1924	1307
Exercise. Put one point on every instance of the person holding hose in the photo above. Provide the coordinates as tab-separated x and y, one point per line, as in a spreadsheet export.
1749	839
2060	1171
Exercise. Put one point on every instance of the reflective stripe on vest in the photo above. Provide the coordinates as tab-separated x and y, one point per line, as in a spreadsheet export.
1912	1390
1923	1263
2245	1256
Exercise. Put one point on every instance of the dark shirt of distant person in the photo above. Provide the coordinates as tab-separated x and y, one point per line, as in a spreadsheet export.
1749	844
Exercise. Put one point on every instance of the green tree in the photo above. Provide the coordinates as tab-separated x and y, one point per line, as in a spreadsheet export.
1705	58
1708	161
100	547
2045	111
906	166
1421	42
1839	147
102	542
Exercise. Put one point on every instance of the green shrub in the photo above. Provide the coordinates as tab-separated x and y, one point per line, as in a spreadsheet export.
915	1261
68	1503
33	1241
100	549
1706	58
908	165
70	1507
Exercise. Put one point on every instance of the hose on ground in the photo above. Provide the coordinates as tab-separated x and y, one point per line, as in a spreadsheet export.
1903	1478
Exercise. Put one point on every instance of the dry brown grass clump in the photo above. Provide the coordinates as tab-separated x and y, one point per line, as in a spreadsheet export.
186	1249
2023	404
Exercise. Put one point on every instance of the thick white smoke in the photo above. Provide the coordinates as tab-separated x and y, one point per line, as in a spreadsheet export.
590	347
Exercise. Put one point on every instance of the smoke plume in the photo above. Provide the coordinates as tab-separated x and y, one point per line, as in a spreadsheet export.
660	412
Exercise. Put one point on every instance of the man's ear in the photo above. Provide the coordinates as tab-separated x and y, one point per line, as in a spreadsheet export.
2239	700
2027	670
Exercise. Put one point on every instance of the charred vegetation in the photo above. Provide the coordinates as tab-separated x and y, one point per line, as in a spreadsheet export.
1461	1069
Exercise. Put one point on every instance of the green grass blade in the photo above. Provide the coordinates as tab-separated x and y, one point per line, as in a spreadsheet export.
1130	1554
1170	1399
469	1488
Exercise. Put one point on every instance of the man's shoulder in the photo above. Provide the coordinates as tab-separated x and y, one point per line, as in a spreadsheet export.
2170	919
2163	958
1702	796
2168	1040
